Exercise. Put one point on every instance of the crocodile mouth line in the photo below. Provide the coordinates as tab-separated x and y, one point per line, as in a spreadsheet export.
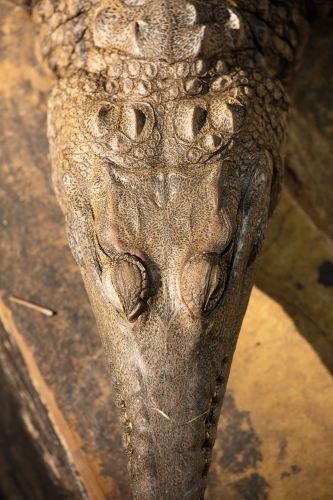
209	423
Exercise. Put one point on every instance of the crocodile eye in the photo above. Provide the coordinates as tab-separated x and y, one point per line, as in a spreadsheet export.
202	282
190	120
101	118
226	116
125	283
137	121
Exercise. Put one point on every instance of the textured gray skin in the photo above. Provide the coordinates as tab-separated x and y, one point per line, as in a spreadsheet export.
167	131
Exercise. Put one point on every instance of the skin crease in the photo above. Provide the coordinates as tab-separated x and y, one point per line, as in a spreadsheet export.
167	129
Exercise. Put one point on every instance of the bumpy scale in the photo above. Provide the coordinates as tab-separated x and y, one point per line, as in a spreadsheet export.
167	128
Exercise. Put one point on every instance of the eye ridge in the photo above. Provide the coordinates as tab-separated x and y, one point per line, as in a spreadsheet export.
126	284
203	280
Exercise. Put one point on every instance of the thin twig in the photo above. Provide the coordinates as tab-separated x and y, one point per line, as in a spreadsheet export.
31	305
180	423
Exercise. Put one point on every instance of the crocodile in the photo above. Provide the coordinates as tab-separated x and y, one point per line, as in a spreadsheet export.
167	128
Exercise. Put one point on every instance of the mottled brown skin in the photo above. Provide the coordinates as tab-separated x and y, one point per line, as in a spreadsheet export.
167	131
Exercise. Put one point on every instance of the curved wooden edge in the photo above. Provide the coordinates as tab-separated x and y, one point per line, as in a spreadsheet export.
85	479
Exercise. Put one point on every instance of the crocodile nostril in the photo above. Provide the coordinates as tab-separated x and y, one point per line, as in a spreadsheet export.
125	283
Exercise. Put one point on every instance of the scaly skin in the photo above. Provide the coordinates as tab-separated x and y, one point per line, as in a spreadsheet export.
167	131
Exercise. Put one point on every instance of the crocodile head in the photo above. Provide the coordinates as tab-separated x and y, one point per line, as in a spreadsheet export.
167	170
166	199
